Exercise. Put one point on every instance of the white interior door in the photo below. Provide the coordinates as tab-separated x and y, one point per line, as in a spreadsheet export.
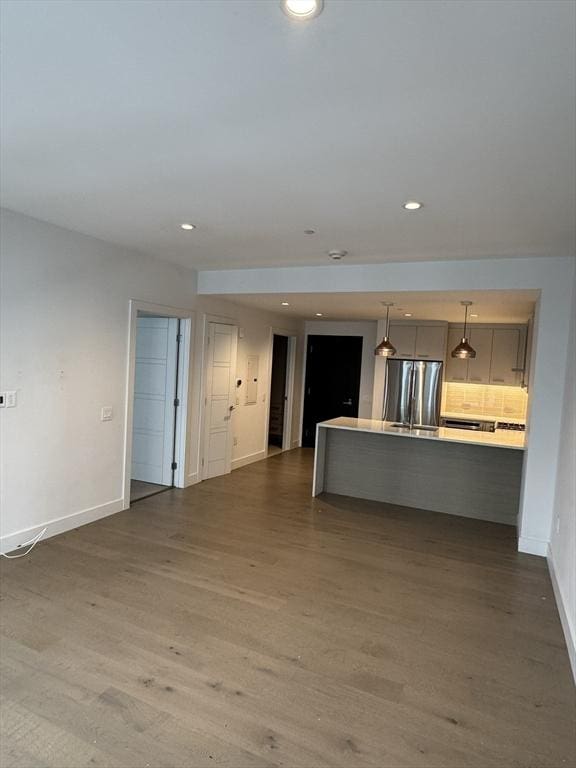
220	397
154	392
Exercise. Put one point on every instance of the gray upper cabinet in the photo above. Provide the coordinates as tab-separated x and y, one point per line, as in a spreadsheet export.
419	342
479	366
505	354
499	356
404	339
456	369
431	342
527	356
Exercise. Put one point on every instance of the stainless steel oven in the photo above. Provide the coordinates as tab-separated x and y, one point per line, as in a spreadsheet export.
473	424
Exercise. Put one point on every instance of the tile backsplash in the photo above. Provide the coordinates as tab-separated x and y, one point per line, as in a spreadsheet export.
485	400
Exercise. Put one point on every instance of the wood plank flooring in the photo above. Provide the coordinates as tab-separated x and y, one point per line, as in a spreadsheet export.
140	489
242	623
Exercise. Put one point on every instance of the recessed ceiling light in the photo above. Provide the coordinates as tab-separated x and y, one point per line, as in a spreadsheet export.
303	10
412	205
337	255
309	231
319	314
285	304
187	226
407	314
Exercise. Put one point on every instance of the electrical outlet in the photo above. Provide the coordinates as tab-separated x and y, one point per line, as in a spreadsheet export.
10	398
107	413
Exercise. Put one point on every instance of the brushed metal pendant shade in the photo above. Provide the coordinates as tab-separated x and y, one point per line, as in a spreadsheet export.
463	350
386	348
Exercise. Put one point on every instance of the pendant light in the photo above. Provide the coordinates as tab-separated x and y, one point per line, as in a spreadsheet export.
463	350
386	348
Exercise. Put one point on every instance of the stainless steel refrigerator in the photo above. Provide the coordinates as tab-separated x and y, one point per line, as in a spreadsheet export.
413	392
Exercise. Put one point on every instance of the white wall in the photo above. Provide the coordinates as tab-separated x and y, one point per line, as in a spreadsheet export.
251	421
366	329
64	346
552	276
562	554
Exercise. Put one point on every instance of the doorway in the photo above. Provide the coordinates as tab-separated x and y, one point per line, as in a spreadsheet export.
220	399
278	394
332	381
155	405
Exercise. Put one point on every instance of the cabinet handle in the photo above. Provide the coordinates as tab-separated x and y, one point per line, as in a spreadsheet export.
422	355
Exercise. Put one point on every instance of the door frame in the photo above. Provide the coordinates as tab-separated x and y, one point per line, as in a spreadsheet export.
208	318
186	316
289	390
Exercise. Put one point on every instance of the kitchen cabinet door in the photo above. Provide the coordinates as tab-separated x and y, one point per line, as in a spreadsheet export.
479	366
456	369
431	342
404	339
527	343
505	347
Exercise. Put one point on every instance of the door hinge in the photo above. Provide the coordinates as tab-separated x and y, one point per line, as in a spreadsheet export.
174	465
178	337
176	402
202	462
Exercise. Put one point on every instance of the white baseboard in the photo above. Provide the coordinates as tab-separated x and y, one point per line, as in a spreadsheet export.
569	629
12	541
249	459
532	546
192	479
296	443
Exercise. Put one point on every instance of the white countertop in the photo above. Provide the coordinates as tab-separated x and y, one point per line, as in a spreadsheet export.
498	439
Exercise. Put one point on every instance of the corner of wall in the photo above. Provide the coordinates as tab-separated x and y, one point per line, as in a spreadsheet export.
565	619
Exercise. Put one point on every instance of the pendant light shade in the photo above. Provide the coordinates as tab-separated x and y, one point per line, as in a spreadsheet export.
386	348
463	350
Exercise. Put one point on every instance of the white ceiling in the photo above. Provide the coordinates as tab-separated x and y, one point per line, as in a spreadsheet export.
123	119
490	306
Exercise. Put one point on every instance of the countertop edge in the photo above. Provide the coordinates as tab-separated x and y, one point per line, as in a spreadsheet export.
412	436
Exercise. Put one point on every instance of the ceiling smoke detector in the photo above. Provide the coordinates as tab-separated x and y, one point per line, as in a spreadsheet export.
337	255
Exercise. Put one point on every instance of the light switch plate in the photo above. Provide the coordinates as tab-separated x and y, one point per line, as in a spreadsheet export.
10	398
107	413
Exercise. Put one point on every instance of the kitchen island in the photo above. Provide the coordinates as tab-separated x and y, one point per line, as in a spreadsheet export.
470	474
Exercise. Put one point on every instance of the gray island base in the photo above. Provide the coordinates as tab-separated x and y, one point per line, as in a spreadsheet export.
475	475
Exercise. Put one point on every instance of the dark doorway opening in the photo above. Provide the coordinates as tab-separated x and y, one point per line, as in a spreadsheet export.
332	381
278	393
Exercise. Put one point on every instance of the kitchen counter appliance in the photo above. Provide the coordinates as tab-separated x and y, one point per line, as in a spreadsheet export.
472	424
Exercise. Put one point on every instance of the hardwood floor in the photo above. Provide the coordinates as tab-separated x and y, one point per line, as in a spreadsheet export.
242	623
140	489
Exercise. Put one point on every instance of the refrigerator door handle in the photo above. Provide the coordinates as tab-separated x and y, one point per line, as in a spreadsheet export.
412	397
